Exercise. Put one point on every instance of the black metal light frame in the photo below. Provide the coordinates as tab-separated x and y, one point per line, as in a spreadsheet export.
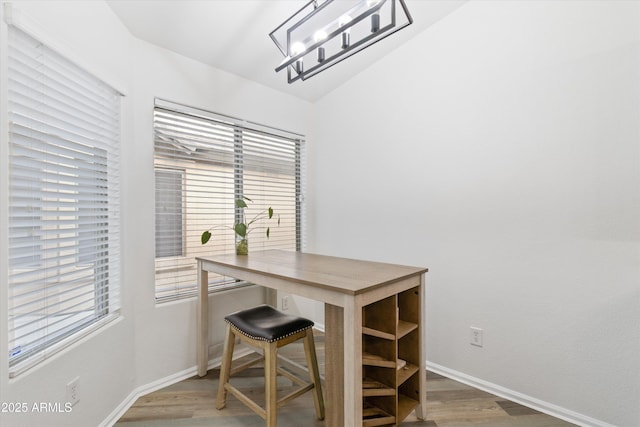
385	17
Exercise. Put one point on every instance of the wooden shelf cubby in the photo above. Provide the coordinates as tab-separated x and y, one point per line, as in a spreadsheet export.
391	344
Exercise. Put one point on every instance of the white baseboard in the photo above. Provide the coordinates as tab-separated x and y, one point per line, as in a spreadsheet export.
514	396
161	383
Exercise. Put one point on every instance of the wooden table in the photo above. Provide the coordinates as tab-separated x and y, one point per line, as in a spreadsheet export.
345	286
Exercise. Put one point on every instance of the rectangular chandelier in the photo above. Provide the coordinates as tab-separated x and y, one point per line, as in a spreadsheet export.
321	34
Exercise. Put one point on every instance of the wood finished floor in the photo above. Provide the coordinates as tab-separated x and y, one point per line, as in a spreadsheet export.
192	403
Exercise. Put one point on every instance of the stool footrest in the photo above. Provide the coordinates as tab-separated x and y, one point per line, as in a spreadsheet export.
246	365
291	377
244	399
294	394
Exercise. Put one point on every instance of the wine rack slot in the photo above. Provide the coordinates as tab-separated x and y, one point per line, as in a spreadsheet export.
391	342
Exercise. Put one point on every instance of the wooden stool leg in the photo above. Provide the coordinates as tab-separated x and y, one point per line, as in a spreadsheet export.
270	383
314	374
225	369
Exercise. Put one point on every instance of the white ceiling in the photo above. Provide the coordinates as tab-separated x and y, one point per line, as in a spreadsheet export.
233	35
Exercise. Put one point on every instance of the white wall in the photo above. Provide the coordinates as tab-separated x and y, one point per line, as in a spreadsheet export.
501	149
89	34
151	344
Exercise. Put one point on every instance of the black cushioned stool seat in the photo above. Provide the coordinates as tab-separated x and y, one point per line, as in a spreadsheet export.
268	329
265	323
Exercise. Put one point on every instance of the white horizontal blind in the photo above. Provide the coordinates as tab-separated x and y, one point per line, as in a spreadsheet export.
64	234
203	163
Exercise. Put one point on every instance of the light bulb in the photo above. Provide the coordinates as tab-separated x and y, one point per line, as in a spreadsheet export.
296	49
375	17
344	20
346	37
319	36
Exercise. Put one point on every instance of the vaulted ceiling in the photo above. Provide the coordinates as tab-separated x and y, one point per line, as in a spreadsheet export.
233	35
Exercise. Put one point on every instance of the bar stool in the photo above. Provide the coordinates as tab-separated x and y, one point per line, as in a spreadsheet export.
269	329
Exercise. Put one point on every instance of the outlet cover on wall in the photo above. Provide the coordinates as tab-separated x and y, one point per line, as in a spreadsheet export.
476	336
73	392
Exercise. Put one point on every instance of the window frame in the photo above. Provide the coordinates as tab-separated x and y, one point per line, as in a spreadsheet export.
105	301
236	149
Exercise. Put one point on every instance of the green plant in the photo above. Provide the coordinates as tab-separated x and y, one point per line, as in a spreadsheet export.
241	229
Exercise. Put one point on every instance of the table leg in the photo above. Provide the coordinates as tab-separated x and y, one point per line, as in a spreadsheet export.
333	365
352	364
343	365
421	410
202	338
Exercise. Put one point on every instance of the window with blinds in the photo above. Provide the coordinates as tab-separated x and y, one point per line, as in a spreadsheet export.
203	163
64	234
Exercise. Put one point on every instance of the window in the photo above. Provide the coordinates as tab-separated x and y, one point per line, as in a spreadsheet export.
204	162
64	235
169	212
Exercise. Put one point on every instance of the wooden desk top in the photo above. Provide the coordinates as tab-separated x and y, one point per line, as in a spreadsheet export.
343	275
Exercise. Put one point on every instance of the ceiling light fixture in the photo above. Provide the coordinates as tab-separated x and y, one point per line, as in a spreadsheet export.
321	34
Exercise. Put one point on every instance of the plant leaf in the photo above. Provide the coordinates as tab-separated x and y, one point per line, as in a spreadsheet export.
205	237
240	229
241	203
267	232
270	212
278	219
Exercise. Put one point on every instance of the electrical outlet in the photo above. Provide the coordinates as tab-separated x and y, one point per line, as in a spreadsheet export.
285	303
73	393
476	336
